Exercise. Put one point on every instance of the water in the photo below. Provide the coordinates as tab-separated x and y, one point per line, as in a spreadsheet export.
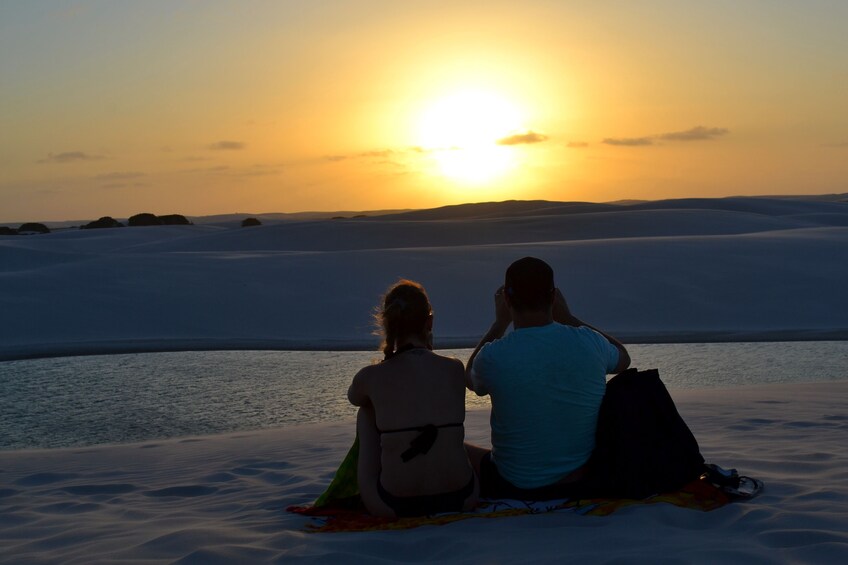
74	401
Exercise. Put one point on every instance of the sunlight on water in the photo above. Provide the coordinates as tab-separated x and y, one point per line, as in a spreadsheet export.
125	398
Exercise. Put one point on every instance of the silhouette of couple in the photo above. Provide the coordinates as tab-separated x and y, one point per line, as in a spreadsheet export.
546	380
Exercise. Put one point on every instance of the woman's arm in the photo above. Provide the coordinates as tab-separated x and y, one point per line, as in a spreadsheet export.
357	394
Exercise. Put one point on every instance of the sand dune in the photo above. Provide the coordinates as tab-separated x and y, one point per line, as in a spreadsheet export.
672	270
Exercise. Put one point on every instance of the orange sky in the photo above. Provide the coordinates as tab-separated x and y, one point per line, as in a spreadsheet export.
198	108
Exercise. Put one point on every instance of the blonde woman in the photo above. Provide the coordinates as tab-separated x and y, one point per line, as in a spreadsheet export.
412	409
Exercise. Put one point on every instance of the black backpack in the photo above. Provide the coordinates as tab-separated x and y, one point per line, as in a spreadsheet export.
643	446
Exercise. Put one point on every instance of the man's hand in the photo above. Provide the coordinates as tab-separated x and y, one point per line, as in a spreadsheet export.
561	311
503	316
563	315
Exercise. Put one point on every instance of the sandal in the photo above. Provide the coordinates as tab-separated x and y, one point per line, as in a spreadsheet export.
731	483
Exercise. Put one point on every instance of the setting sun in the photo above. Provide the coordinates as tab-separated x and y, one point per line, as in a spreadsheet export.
462	130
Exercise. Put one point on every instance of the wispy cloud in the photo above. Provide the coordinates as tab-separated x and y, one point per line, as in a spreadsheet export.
225	170
697	133
374	154
577	144
840	144
120	175
378	153
628	141
70	157
118	185
523	138
215	169
227	146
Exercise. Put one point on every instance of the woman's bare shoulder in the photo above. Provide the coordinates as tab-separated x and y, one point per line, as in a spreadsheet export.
452	362
369	370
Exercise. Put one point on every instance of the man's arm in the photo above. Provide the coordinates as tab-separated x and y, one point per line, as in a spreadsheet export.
563	315
503	318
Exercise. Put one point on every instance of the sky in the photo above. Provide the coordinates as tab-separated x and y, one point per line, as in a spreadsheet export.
120	107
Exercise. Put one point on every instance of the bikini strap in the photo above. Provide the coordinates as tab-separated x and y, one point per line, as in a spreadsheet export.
421	428
421	443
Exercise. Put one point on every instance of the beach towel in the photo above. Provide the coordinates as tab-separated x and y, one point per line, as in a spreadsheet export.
339	508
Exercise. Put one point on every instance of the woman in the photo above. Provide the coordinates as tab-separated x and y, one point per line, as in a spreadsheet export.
412	460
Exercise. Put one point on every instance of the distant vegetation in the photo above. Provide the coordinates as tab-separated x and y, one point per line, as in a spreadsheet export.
143	219
104	222
248	222
28	228
147	219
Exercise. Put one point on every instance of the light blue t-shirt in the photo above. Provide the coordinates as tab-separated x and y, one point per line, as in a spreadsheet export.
546	385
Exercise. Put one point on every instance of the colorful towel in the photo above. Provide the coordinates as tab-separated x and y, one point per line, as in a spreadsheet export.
339	508
698	495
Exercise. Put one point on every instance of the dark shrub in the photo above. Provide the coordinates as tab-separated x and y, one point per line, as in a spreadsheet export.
174	220
144	219
248	222
104	222
33	227
8	231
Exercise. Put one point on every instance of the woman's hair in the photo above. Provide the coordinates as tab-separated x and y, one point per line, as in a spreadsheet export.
403	312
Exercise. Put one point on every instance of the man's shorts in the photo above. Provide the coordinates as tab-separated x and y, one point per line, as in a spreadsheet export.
493	485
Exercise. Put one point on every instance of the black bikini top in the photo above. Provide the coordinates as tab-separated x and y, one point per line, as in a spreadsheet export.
421	443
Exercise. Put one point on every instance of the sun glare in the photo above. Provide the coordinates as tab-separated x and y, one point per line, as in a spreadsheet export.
461	132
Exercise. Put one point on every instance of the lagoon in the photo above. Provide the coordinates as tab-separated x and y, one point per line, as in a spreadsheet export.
89	400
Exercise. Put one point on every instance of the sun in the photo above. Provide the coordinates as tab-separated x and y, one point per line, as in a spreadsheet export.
461	131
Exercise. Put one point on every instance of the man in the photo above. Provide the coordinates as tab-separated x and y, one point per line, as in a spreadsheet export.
546	380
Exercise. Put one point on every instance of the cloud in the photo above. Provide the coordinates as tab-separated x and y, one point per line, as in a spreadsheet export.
70	157
577	144
120	175
256	170
378	153
227	146
628	141
523	138
842	144
373	154
117	185
697	133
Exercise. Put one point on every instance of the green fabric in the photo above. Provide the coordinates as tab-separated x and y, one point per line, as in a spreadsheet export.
344	489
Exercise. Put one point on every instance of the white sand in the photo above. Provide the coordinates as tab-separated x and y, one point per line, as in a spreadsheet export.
673	270
221	499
